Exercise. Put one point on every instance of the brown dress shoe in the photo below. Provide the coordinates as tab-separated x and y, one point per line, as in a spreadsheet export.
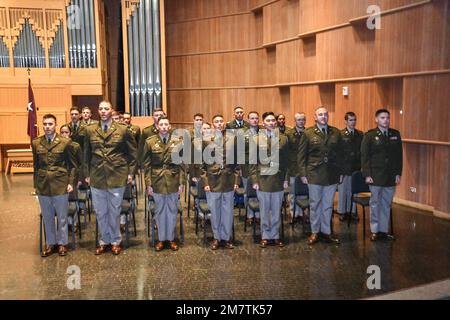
342	217
174	246
264	243
159	246
116	249
279	243
229	245
48	251
215	244
257	220
313	238
62	251
330	239
101	249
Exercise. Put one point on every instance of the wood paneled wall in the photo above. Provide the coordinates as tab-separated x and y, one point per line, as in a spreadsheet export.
293	55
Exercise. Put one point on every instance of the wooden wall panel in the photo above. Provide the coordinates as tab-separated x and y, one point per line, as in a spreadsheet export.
424	43
291	75
345	53
281	20
179	11
225	33
426	108
212	102
328	13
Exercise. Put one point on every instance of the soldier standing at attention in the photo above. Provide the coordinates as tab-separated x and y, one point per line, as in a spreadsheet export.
149	131
238	122
294	135
281	123
250	132
382	164
54	173
220	178
351	139
86	115
165	180
270	178
110	163
76	125
320	161
135	130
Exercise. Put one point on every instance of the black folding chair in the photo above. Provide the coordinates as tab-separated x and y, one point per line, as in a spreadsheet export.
85	200
192	193
201	207
301	199
252	204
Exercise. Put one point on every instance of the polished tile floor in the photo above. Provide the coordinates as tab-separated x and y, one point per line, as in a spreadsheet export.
420	255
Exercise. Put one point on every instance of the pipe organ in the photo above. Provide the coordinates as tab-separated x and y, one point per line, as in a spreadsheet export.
81	34
143	63
50	35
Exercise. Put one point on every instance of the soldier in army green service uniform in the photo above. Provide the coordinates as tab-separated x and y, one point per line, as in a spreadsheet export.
149	131
320	166
294	135
110	163
65	132
86	115
281	123
76	126
135	130
249	133
382	164
165	178
270	177
351	139
238	122
220	178
55	169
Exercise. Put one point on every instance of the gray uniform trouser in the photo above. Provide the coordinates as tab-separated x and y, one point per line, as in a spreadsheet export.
321	205
345	196
166	210
49	206
250	212
270	206
380	208
107	204
221	205
291	197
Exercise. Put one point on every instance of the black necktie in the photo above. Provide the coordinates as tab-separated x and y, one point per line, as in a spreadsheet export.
74	127
105	128
165	140
324	131
49	140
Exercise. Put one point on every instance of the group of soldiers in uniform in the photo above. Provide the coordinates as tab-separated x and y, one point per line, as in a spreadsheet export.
106	156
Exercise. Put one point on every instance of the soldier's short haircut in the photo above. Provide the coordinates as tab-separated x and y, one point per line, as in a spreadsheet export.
126	114
86	107
106	102
49	116
198	115
278	116
157	110
217	116
266	114
380	111
255	112
162	118
238	107
65	126
349	114
74	109
116	113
